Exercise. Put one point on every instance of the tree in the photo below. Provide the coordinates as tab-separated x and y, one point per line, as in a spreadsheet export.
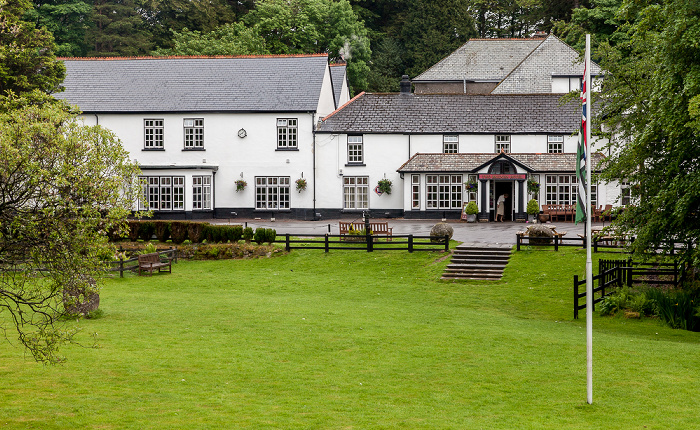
63	185
27	59
229	39
651	102
67	20
600	21
432	30
314	26
119	29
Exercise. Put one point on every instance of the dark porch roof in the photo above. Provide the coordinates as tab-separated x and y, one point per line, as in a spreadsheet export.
462	162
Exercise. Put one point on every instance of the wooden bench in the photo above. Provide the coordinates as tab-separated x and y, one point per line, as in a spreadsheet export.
377	228
150	262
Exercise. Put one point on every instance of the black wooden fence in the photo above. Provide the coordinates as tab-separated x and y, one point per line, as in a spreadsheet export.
614	274
367	243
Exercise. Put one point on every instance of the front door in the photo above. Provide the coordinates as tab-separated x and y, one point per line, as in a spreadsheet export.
504	187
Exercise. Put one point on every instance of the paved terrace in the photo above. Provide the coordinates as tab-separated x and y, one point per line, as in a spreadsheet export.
490	232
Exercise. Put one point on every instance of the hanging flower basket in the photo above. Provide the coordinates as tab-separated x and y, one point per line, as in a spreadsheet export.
471	186
301	184
533	187
240	185
384	185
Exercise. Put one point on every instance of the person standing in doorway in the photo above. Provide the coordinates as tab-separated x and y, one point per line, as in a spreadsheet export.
500	207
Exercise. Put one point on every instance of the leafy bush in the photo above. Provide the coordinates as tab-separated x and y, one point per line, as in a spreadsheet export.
271	235
260	235
146	230
149	249
195	231
162	230
248	234
625	299
676	308
134	230
533	208
178	231
236	233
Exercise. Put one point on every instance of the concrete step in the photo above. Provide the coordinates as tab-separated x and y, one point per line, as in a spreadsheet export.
477	262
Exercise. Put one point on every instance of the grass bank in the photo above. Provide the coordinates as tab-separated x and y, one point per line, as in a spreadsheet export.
355	340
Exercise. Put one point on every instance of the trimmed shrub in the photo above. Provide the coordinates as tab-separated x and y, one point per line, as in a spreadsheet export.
146	230
162	230
236	233
178	231
134	230
271	235
260	235
195	231
248	234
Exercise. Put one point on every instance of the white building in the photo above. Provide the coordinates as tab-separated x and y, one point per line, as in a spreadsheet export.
489	114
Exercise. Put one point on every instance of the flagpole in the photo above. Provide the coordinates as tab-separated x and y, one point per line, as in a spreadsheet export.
589	259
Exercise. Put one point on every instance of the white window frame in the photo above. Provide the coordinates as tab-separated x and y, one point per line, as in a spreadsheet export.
287	133
201	193
355	150
153	133
562	189
450	144
355	192
555	144
272	192
194	133
443	191
415	192
503	142
163	193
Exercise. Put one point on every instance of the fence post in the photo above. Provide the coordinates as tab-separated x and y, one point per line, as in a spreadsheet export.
447	243
286	242
121	266
327	241
369	240
575	297
410	243
556	242
517	241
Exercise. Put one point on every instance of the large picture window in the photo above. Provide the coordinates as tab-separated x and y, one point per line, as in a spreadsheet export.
272	192
355	150
443	191
201	193
153	133
194	133
286	133
355	192
163	193
563	190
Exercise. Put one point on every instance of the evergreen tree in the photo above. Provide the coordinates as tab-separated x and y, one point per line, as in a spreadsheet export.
67	20
119	29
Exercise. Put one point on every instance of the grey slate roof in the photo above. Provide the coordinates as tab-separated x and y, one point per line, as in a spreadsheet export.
463	162
454	113
481	60
151	84
534	75
338	77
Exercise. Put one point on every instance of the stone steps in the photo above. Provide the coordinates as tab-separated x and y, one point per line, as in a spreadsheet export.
478	261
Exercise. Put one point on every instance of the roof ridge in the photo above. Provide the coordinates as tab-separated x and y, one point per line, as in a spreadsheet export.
181	57
507	38
343	106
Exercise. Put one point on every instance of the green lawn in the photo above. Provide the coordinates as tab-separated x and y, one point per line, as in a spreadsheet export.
355	340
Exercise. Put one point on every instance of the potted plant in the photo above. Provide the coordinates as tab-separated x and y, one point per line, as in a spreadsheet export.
533	208
240	185
301	184
384	185
471	210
